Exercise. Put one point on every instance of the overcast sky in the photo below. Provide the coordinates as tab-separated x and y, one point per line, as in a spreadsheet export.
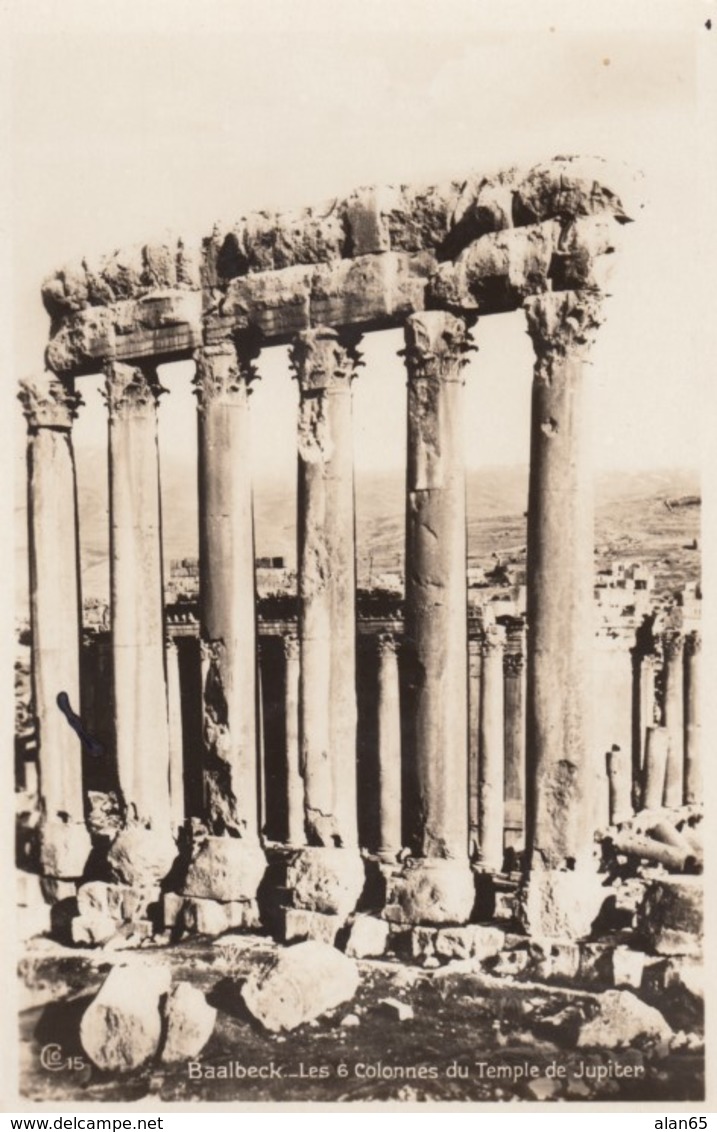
132	118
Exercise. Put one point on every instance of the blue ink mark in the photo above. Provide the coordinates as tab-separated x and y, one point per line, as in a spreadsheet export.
91	745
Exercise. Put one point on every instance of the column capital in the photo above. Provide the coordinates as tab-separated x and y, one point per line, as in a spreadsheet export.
493	640
323	358
437	346
131	390
387	643
513	663
290	643
48	402
693	643
224	369
673	643
563	324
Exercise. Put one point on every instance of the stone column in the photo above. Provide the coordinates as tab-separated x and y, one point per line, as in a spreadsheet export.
230	863
673	717
55	617
643	714
491	778
438	887
619	777
294	782
145	848
693	755
563	769
176	738
474	675
325	362
389	748
653	768
514	694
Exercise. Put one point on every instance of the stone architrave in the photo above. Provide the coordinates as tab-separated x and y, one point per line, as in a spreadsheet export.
693	793
137	614
325	366
564	775
436	628
491	773
514	694
294	782
474	675
55	616
673	716
389	748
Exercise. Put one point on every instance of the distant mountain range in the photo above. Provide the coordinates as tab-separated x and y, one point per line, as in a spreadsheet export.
632	518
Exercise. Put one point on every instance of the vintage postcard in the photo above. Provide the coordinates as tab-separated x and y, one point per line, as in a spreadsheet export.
355	650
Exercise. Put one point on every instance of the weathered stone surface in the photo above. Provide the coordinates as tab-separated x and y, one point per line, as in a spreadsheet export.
670	919
189	1023
474	941
431	891
511	963
394	1008
300	923
172	904
212	917
64	848
623	1019
141	857
676	987
554	959
120	902
368	936
93	928
225	868
326	880
122	1027
54	888
301	983
569	187
561	904
628	966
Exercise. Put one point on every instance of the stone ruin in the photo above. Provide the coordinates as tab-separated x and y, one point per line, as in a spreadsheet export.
432	260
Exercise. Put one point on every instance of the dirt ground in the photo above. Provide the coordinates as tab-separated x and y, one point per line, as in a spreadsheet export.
471	1038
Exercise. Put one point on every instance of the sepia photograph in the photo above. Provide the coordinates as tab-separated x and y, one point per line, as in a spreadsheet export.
356	443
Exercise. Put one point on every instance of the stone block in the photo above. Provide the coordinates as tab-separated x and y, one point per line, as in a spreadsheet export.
676	987
554	959
64	849
326	880
140	856
560	904
670	918
367	220
122	1027
225	868
299	923
511	963
474	941
423	943
212	917
54	889
299	984
189	1023
368	936
92	929
30	890
172	904
621	1020
431	891
628	966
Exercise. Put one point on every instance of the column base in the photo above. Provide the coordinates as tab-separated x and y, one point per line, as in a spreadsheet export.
64	849
431	890
140	856
225	869
560	904
328	880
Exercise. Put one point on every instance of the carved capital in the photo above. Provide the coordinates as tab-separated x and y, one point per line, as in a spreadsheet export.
513	663
437	346
493	640
291	646
323	358
387	644
562	324
693	643
225	369
48	402
672	644
131	390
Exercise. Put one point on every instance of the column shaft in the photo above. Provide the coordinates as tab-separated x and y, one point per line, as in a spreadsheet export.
55	618
474	679
389	748
693	754
436	590
673	717
227	591
327	585
563	769
294	782
140	694
176	737
514	692
491	785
